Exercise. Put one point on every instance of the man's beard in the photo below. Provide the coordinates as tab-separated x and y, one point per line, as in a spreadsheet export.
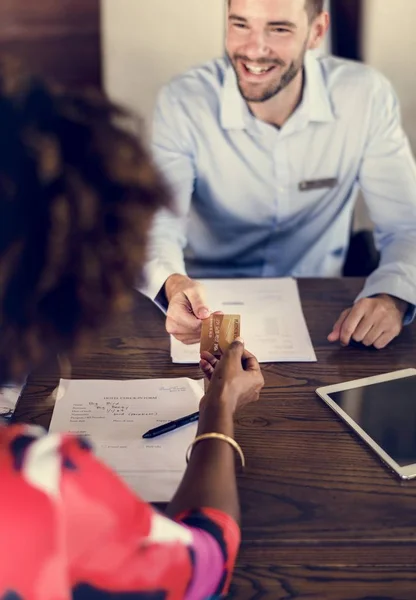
274	88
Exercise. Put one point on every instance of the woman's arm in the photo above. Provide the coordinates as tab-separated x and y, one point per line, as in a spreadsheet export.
210	479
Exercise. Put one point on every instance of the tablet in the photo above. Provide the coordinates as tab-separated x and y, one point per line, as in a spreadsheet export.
382	410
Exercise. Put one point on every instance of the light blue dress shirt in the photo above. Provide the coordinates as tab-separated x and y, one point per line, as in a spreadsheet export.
242	207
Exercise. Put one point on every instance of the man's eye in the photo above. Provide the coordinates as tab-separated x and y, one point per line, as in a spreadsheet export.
280	30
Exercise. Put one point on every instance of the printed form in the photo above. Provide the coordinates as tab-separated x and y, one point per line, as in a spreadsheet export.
272	322
113	416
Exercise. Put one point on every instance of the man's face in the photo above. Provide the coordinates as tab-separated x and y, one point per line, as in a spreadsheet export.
266	44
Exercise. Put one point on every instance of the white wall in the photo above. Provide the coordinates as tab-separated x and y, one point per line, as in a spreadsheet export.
147	42
390	45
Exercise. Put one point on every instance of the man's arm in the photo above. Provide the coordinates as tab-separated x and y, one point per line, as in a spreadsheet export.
165	280
173	154
388	181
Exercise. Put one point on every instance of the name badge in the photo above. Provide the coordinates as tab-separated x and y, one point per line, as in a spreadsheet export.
318	184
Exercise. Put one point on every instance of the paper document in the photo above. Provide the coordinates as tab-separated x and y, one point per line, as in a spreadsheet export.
9	395
272	322
114	415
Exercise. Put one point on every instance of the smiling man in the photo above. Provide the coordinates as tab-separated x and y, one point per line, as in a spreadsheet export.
266	150
262	75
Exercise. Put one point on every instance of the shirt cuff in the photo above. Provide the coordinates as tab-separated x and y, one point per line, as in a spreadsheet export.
410	315
161	300
400	290
155	276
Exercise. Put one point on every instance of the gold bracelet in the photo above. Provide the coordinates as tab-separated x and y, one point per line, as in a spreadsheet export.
217	436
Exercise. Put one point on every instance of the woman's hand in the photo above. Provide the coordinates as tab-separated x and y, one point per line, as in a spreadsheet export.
235	379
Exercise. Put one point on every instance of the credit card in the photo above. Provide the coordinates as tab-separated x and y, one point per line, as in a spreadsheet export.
218	332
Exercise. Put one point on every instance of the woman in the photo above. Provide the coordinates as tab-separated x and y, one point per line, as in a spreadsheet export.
77	196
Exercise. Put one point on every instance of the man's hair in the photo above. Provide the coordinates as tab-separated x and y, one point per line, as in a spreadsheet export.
313	7
77	197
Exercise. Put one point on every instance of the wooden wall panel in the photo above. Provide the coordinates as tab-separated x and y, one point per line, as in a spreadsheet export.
56	38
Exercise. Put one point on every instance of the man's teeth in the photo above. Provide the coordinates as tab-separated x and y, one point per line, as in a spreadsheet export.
257	70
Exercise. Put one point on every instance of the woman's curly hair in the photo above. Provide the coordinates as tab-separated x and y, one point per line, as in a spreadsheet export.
77	197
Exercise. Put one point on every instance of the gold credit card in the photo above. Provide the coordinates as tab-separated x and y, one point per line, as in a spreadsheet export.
218	332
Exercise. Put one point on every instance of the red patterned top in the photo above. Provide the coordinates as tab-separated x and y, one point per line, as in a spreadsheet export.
70	528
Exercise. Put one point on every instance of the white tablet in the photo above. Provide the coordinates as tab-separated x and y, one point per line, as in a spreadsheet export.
382	410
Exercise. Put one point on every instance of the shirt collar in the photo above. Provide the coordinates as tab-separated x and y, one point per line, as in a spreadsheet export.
235	113
315	105
316	96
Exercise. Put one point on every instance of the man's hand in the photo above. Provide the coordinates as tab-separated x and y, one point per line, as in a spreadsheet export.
372	321
187	308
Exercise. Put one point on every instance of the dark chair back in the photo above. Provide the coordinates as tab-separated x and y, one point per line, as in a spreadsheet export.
362	256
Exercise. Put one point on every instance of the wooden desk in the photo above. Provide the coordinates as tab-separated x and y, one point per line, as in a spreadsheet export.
323	519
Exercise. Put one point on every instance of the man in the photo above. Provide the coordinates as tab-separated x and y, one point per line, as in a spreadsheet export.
265	152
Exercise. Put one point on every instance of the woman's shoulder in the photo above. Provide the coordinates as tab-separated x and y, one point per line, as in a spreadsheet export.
29	453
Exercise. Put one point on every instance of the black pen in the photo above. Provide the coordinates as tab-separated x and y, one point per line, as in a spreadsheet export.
171	426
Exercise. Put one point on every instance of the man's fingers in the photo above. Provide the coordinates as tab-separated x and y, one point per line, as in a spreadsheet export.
384	339
372	321
187	339
387	336
185	312
183	335
365	329
380	336
350	324
182	322
196	297
375	332
336	331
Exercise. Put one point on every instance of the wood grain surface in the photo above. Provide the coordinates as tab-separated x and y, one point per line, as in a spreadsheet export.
323	518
